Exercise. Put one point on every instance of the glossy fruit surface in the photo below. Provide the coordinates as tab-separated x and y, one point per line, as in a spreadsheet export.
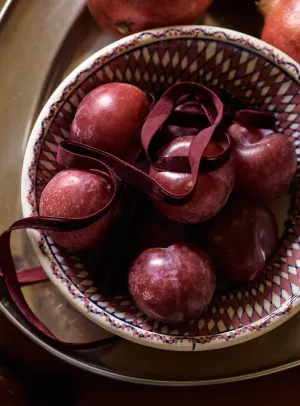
124	17
173	284
212	190
108	116
77	193
264	164
282	25
241	238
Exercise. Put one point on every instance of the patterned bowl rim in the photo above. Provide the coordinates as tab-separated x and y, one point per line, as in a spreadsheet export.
45	256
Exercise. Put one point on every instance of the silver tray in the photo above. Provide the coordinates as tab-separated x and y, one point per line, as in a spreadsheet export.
40	43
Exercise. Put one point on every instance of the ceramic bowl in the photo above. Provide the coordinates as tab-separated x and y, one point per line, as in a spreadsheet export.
251	70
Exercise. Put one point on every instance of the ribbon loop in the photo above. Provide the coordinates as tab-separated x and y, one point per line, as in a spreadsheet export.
133	171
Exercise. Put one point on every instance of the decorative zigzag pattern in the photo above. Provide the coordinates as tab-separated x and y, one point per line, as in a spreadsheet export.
254	81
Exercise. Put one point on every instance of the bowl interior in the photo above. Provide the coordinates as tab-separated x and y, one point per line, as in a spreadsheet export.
255	81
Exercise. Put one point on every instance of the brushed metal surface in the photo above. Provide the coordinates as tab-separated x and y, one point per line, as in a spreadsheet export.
40	43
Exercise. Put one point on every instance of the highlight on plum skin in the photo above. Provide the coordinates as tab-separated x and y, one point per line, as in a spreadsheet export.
177	248
212	190
78	193
107	117
173	284
265	163
241	239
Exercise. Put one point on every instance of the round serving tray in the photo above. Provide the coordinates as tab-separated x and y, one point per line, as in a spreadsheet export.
69	35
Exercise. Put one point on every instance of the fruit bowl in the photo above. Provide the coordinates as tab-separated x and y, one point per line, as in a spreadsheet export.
255	73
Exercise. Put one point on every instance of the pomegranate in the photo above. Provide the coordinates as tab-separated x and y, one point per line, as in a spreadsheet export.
282	25
124	17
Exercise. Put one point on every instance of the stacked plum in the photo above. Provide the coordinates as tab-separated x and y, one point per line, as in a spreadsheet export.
193	184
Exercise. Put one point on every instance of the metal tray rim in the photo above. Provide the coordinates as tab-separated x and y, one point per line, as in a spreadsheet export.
278	317
143	381
99	370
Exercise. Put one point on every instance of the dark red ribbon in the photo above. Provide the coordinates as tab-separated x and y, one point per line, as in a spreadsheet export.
27	276
76	155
